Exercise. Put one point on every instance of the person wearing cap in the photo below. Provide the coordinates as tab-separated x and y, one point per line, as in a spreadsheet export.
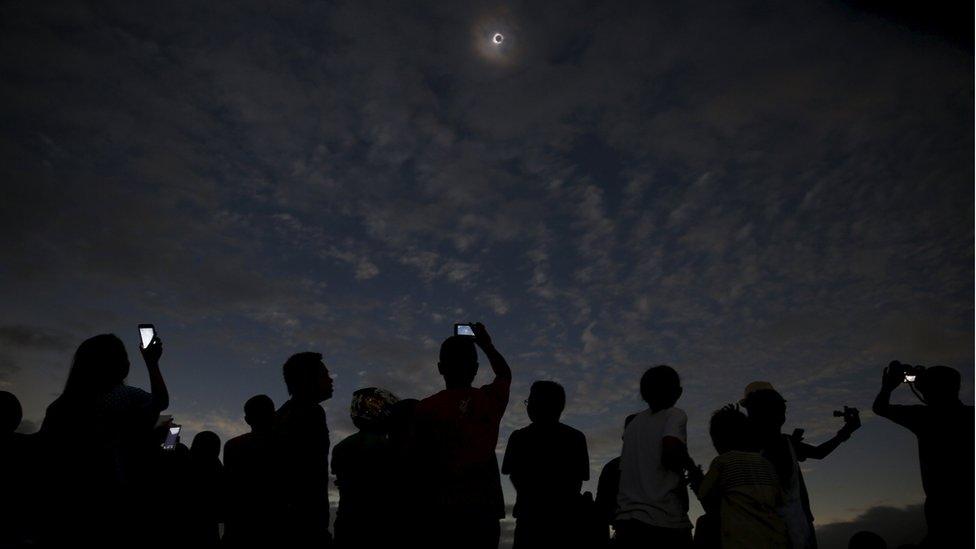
767	413
455	435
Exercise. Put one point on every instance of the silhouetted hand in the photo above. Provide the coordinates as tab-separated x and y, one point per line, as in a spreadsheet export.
852	421
893	376
695	476
153	351
481	336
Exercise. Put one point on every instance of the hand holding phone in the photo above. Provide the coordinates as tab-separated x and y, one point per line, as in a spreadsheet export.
172	437
149	343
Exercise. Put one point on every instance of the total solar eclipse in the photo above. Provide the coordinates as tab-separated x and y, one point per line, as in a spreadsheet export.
497	38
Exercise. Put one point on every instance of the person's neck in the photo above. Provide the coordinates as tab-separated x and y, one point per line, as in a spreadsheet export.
458	384
657	408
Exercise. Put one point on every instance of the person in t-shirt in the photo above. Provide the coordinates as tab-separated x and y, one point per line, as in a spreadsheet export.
741	491
302	446
249	472
364	465
547	462
767	414
653	498
944	428
456	431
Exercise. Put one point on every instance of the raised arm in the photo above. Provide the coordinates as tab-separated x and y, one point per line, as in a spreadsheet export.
852	421
157	385
498	364
890	380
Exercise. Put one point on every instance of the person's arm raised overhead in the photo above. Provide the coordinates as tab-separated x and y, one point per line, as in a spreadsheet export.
151	354
498	364
891	379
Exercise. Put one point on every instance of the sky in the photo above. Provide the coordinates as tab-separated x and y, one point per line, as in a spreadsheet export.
744	190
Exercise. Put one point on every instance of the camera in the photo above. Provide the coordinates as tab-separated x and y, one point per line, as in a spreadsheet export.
464	330
847	413
908	372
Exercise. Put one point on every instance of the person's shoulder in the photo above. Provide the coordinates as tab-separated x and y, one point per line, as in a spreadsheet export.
676	413
569	431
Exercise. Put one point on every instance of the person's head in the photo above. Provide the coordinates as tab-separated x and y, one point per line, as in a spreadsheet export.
547	399
307	378
939	385
259	412
205	446
10	413
660	387
730	430
866	540
372	409
766	407
99	364
458	361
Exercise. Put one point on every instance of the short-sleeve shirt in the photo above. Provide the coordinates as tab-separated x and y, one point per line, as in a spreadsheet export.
648	491
550	462
748	493
945	445
457	432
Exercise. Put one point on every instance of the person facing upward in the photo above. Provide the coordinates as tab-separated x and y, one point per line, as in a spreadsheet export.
456	432
740	490
547	462
248	468
652	499
943	426
302	438
767	414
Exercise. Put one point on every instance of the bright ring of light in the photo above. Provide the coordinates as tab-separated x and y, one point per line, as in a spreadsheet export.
497	39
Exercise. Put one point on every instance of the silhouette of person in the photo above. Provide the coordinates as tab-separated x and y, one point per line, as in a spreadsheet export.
97	437
741	489
205	489
547	463
16	470
866	540
607	489
653	498
767	414
166	480
364	467
302	438
456	434
944	429
249	468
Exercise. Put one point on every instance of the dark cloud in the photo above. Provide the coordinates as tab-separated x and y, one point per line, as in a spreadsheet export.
898	526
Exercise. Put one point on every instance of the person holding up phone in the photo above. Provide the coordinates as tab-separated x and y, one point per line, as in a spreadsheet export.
98	435
456	435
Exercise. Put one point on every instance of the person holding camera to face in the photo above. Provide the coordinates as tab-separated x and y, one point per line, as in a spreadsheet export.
944	428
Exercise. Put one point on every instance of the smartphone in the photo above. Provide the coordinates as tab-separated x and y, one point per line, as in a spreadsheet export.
463	330
146	333
172	437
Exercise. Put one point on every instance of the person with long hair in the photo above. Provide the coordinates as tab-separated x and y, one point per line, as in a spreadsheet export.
98	435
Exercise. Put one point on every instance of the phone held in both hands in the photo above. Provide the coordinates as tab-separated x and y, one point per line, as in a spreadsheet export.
146	334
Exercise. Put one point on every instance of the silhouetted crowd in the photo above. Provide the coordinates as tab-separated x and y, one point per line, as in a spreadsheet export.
106	469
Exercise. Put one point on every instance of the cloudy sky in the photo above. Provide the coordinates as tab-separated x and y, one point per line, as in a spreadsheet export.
744	190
